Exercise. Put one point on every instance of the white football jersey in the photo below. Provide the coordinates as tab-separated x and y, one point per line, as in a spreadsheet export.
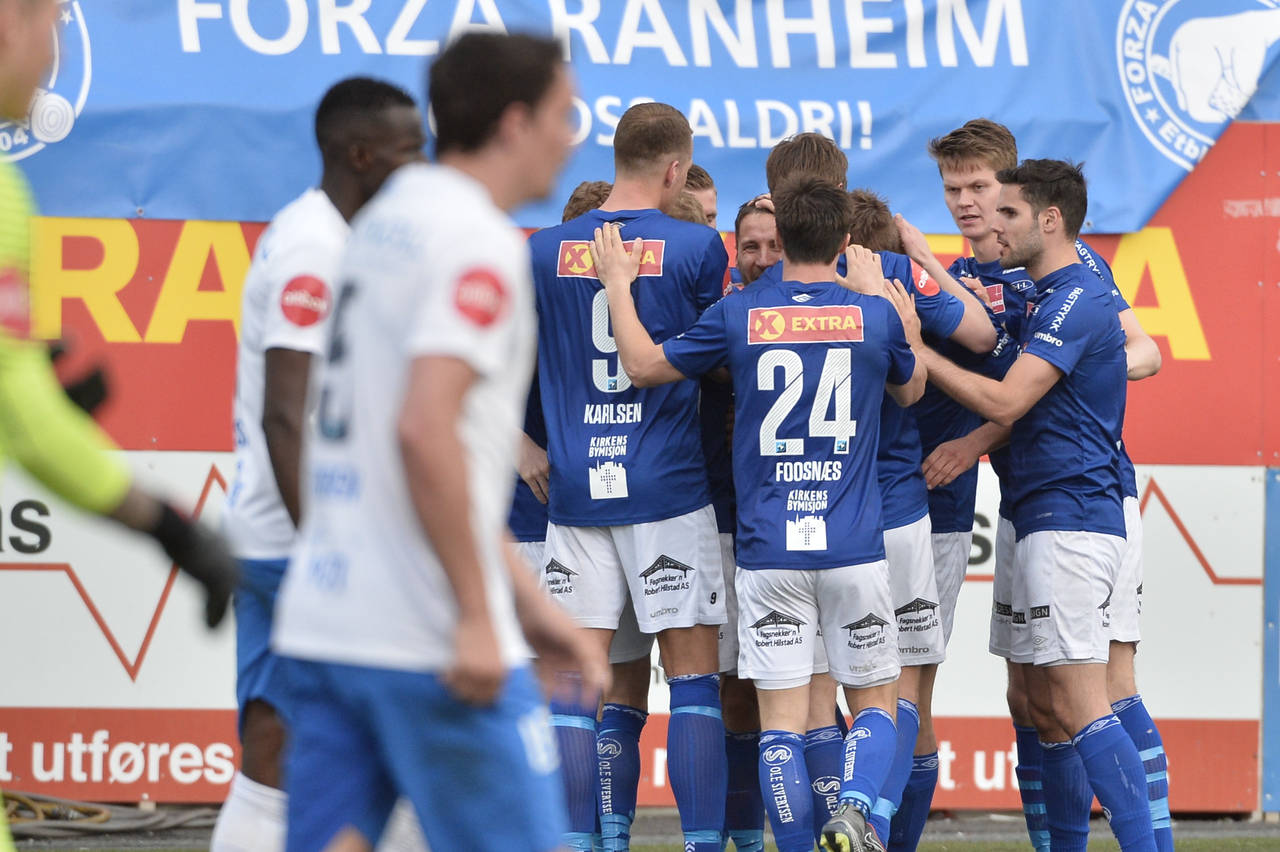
432	268
286	304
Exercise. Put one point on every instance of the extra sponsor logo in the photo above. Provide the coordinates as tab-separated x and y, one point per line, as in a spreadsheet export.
1039	612
480	296
62	93
804	324
608	749
1188	67
575	259
305	301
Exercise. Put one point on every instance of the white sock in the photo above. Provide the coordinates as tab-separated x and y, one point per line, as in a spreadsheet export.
252	818
403	834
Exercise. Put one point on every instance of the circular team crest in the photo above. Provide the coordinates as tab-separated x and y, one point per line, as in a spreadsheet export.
61	94
1189	66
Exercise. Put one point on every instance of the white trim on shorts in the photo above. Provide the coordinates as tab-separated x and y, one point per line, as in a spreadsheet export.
728	638
1126	599
950	565
1003	614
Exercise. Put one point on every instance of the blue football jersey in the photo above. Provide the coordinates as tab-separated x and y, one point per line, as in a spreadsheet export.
1100	267
1065	450
941	419
620	454
528	517
809	363
904	495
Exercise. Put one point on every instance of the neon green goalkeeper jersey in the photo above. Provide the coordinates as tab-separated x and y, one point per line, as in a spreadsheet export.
40	428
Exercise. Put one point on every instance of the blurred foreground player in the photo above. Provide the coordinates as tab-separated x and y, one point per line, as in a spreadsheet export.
365	129
404	602
53	440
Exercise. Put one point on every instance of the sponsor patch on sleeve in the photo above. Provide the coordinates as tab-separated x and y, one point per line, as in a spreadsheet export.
995	297
15	304
480	296
926	285
305	301
575	258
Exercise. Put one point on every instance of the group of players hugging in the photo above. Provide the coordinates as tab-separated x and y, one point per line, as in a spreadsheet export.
776	477
769	468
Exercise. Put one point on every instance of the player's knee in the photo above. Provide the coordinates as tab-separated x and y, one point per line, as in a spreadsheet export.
262	744
630	684
1121	680
690	650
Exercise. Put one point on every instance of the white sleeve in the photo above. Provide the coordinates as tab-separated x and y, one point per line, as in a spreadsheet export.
472	298
301	298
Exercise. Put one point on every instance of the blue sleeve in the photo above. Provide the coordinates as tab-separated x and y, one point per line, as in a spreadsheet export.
703	347
902	361
1063	329
940	312
1098	266
710	283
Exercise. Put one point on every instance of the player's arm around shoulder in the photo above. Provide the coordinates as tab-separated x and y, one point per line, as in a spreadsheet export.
901	359
1142	354
975	331
642	359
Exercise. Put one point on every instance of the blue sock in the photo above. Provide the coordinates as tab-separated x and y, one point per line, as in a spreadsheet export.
618	751
1031	786
823	756
868	754
784	782
1142	729
696	760
743	807
1118	780
896	781
575	726
1067	797
908	823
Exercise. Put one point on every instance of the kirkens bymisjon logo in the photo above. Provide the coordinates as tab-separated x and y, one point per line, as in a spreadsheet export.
1189	66
62	93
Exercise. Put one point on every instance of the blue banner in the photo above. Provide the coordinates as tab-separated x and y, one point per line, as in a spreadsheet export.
202	108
